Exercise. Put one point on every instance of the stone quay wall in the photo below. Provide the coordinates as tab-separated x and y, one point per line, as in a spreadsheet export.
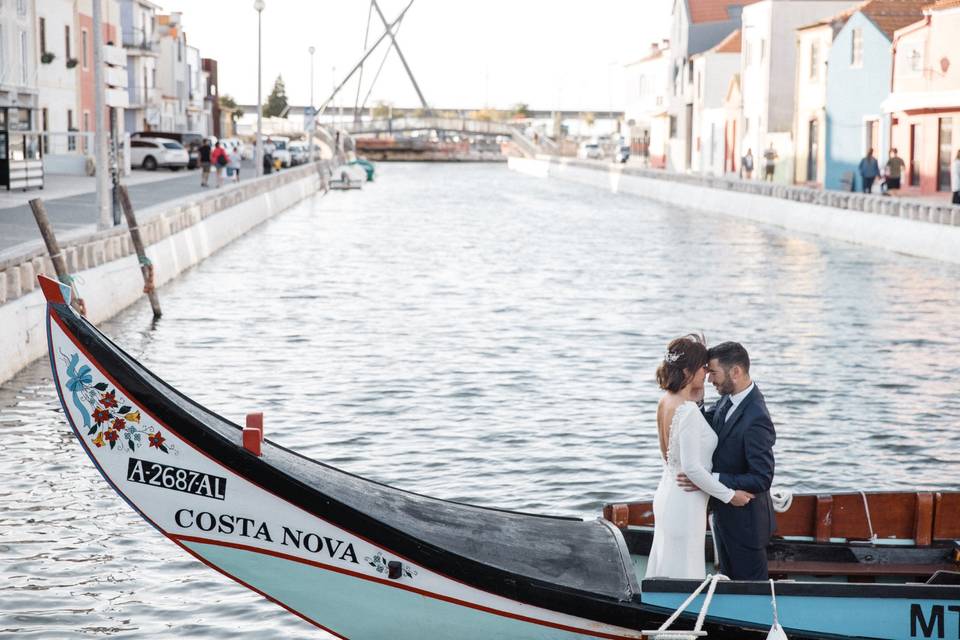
177	234
915	227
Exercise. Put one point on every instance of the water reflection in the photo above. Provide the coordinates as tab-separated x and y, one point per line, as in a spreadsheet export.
474	334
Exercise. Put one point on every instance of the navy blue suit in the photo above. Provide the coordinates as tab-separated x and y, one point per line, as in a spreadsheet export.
744	460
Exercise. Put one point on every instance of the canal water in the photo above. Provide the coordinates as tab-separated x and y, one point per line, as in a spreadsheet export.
483	336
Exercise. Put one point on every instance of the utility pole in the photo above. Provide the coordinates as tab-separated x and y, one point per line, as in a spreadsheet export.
313	112
104	199
258	6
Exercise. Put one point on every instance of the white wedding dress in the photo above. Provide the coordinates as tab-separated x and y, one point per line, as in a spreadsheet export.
681	516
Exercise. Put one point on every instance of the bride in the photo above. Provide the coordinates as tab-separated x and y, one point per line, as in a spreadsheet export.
687	443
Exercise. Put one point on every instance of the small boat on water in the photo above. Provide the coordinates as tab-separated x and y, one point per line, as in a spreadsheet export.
365	560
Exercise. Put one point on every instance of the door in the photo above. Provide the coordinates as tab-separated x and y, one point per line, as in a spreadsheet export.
813	149
943	158
914	156
689	136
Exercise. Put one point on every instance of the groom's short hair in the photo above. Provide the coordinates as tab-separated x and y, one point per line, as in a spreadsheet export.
729	354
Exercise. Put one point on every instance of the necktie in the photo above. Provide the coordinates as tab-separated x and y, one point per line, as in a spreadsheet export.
721	415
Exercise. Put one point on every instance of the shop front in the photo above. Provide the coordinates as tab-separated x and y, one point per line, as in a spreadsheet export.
21	161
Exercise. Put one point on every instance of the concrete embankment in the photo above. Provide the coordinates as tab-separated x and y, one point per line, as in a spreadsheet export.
914	227
178	234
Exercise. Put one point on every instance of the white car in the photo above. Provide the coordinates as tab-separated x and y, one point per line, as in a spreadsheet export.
590	151
281	149
298	153
151	153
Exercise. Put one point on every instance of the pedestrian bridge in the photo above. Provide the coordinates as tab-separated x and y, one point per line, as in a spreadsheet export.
452	125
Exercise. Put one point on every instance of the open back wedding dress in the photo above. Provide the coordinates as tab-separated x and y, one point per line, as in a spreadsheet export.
680	517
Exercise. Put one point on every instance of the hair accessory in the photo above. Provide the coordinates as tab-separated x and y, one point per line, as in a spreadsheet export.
671	357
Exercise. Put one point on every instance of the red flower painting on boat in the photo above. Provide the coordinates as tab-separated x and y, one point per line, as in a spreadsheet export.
109	419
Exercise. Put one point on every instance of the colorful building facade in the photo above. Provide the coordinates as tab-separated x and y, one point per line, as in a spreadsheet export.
858	81
924	105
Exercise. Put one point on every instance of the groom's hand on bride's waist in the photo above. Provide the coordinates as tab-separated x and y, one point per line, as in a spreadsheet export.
740	498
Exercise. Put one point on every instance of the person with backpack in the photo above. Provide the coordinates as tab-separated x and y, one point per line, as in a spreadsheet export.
219	159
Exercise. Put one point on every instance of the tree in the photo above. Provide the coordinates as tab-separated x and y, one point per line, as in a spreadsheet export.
227	103
589	118
382	109
277	100
520	110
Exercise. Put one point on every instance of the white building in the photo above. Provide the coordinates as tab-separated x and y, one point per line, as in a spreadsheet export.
768	76
172	75
141	43
646	107
197	117
697	26
57	79
713	70
19	151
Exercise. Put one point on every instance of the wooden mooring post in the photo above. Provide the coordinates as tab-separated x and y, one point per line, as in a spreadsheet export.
56	256
146	267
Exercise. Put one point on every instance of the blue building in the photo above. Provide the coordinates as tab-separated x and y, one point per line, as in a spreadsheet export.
859	65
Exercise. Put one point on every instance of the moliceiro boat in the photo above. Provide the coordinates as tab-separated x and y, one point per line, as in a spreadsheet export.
364	560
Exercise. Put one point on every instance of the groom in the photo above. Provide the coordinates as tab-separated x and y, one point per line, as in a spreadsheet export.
743	460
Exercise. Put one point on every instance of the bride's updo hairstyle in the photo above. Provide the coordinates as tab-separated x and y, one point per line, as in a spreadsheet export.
684	357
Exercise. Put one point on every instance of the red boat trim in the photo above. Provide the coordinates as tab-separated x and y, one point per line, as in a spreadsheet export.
179	539
176	538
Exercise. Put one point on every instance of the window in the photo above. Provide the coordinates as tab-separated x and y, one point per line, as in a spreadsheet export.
45	125
179	50
3	59
21	8
43	35
24	60
763	51
641	86
71	140
814	60
673	126
66	42
83	48
139	144
856	48
699	86
747	51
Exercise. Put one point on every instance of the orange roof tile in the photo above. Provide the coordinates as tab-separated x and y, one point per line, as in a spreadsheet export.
887	15
730	44
712	10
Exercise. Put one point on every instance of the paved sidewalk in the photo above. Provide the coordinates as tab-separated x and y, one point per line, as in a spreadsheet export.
71	201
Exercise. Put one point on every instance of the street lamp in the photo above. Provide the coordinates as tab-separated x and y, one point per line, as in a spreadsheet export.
313	114
259	6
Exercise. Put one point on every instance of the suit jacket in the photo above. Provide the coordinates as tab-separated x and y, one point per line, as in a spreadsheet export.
744	460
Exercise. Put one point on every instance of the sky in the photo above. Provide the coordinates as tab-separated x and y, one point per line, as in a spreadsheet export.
496	53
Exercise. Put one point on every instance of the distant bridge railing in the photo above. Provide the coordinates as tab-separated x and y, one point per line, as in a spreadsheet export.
427	123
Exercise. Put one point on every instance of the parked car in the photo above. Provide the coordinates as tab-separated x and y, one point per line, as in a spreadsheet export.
190	140
281	152
590	151
151	153
298	153
230	143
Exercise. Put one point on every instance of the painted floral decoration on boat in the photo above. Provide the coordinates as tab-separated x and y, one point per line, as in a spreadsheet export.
379	563
110	421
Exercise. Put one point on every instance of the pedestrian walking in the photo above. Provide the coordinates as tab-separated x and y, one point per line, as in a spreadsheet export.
233	169
218	158
770	163
869	170
955	178
268	149
893	172
204	162
746	165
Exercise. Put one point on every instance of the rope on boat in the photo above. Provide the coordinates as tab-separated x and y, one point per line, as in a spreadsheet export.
866	508
776	631
782	499
666	633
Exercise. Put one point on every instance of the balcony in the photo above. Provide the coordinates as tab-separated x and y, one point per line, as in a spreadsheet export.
143	97
139	42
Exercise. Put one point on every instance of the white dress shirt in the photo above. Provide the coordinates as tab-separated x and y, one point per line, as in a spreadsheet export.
736	399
